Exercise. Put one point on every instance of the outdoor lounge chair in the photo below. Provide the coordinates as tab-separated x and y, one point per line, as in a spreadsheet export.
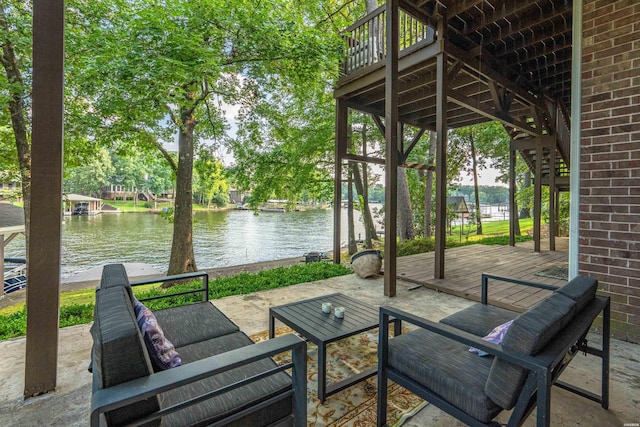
435	363
224	378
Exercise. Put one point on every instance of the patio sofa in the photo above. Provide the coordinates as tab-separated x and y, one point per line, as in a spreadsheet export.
224	378
434	361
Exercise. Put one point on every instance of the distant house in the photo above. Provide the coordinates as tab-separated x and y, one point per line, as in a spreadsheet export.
77	204
8	186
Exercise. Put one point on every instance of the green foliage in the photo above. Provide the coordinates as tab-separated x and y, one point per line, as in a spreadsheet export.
167	213
499	240
421	245
489	194
415	246
75	314
14	324
210	184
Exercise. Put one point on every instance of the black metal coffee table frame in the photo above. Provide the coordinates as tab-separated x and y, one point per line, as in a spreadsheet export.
306	318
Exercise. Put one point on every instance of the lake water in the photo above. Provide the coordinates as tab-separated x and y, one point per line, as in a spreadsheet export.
220	238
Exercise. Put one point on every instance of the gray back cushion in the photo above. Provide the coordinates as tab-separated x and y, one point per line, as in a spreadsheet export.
581	289
119	353
114	275
529	333
194	323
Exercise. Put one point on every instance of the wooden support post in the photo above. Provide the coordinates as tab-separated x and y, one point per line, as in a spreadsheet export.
391	136
513	215
340	149
45	217
537	196
441	155
552	199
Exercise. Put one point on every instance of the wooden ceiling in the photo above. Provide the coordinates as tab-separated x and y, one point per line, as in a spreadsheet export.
506	58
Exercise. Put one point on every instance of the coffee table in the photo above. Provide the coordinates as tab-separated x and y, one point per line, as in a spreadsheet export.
306	318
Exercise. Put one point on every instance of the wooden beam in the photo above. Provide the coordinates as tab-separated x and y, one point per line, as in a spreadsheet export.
45	216
441	156
463	101
513	215
391	136
484	69
364	159
413	143
552	199
378	121
537	199
342	113
534	143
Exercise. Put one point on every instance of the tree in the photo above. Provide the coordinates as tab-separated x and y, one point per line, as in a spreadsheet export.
483	141
88	179
212	183
154	69
15	24
364	142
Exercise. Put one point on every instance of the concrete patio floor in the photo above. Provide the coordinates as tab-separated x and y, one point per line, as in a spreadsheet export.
69	404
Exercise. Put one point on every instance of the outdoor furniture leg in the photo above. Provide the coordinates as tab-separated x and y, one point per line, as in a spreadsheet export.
322	371
299	376
383	353
397	327
272	326
543	399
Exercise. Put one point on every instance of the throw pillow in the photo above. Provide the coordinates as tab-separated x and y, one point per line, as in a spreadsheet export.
495	336
162	352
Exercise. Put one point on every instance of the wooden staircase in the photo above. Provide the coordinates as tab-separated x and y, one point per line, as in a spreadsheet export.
554	147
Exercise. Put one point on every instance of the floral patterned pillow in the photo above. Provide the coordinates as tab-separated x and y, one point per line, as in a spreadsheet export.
162	352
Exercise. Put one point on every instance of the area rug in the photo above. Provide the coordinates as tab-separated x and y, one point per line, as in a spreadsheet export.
556	271
356	405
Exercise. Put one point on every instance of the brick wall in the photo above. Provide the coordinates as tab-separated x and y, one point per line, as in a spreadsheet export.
610	157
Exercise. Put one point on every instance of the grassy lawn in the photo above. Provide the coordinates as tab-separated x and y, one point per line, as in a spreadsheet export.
128	206
491	228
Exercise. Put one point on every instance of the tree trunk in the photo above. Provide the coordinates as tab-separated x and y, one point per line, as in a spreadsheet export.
525	213
428	193
182	257
352	247
476	190
369	227
371	5
17	94
362	188
406	231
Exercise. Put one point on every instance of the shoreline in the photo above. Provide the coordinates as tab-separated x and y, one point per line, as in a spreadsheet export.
139	271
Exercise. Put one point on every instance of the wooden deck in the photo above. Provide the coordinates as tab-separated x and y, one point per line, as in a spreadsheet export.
464	266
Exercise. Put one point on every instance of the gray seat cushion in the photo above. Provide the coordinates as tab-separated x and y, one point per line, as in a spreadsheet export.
581	289
193	323
119	353
528	334
447	368
479	319
247	396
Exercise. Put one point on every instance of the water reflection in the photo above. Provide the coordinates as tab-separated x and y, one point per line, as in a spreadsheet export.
219	238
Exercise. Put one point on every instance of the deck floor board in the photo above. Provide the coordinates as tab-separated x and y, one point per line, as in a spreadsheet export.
465	265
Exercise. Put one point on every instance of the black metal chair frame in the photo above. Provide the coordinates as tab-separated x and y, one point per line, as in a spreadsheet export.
544	368
121	395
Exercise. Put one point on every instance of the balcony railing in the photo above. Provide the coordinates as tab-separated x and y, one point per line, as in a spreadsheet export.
367	41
